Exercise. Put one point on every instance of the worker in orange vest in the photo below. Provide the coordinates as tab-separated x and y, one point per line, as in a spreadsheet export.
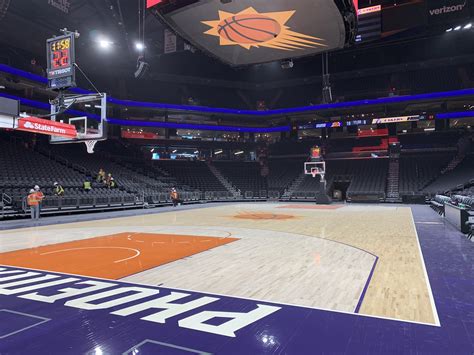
33	201
174	197
40	196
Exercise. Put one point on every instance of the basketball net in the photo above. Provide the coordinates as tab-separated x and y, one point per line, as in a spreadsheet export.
314	172
90	146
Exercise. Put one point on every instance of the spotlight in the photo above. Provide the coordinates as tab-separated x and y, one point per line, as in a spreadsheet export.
457	28
104	44
468	26
139	46
287	64
449	29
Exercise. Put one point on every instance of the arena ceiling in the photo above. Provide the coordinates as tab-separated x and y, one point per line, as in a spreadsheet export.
25	26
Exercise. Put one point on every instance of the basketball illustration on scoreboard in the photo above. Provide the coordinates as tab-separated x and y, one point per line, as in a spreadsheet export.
249	28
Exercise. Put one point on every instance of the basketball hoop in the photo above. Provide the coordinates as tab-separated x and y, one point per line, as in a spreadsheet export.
315	171
90	146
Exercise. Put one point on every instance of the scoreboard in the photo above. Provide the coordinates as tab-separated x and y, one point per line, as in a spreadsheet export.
60	56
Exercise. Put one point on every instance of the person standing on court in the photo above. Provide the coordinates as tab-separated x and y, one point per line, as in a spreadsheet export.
33	203
40	196
174	197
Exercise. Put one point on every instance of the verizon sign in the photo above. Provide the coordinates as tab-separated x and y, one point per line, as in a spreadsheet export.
52	128
441	11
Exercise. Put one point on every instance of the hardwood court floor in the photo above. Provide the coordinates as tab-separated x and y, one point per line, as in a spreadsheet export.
318	257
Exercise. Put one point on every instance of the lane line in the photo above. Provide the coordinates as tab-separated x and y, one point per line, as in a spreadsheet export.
366	286
137	252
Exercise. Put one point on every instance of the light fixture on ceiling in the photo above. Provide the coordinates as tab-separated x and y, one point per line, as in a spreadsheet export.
104	43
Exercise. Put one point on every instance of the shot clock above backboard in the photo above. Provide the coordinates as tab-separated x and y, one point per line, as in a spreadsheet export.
61	56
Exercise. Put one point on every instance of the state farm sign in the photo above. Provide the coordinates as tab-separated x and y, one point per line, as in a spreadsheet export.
52	128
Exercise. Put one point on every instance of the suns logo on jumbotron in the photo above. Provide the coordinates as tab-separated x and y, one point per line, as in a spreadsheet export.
249	28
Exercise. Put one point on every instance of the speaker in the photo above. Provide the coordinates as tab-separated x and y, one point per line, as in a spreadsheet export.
142	69
327	94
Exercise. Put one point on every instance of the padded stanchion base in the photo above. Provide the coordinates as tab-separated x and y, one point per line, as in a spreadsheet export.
322	198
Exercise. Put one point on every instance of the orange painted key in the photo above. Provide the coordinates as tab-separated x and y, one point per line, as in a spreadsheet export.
113	256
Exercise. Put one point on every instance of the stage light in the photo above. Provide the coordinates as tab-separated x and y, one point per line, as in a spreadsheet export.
287	64
139	46
104	43
468	26
449	29
457	28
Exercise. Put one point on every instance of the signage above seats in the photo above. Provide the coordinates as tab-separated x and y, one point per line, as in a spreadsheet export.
42	126
447	10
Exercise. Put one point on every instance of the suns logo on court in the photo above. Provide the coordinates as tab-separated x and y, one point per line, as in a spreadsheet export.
249	28
262	216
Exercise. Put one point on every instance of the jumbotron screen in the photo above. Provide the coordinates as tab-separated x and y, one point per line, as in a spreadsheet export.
250	31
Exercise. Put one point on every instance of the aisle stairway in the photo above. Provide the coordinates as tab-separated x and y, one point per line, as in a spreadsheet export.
294	186
453	163
235	192
393	179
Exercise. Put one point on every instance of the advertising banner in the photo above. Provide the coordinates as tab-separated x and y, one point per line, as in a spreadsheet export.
42	126
447	10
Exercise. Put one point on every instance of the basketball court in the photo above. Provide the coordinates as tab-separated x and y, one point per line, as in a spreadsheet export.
251	263
213	275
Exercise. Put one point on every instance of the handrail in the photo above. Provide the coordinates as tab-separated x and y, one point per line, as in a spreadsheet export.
6	199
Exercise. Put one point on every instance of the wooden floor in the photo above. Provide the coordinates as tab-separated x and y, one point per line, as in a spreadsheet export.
311	257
